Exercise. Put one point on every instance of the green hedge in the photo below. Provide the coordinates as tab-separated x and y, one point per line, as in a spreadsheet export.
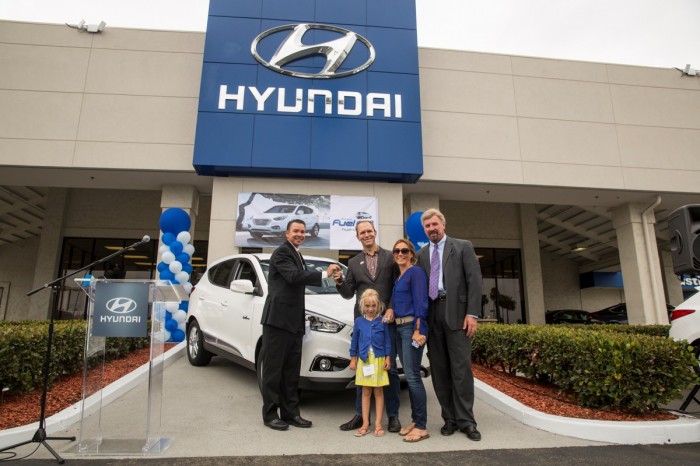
23	349
602	368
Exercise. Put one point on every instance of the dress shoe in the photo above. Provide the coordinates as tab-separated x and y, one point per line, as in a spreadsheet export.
354	423
394	424
277	424
472	433
449	428
298	421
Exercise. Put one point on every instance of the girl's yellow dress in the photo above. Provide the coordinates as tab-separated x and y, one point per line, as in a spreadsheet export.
380	378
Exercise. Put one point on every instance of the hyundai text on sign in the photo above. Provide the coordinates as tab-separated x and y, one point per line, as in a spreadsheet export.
310	88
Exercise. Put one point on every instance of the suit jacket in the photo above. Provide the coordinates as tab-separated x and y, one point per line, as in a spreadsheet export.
287	278
461	277
358	279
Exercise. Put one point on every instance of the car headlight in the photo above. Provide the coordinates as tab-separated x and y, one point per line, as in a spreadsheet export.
281	217
321	323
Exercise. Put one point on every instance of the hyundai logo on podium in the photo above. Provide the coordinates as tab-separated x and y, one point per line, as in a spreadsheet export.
120	310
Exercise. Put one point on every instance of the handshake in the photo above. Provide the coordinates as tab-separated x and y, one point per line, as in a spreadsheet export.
335	272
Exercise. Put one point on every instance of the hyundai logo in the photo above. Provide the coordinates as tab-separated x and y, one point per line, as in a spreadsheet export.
292	48
121	305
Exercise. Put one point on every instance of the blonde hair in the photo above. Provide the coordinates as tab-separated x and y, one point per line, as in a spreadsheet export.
370	294
430	213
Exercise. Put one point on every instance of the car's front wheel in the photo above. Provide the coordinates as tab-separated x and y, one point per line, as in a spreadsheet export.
259	370
315	230
196	353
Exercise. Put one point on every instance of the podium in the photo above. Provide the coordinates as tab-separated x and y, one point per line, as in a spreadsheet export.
120	309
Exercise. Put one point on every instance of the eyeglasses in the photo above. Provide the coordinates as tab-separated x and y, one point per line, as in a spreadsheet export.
403	251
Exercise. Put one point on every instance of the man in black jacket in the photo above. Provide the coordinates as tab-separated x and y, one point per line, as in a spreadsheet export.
373	267
283	329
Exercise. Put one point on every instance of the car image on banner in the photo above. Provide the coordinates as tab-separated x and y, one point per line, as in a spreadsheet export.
224	320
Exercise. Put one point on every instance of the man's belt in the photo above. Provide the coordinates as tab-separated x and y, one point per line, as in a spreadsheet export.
403	320
442	296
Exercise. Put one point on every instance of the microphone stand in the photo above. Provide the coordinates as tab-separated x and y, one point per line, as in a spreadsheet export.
40	434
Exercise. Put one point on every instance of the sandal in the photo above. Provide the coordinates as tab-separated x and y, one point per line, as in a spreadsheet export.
416	438
361	432
407	430
378	432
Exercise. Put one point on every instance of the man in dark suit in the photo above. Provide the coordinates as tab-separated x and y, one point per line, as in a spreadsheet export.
283	329
373	267
454	290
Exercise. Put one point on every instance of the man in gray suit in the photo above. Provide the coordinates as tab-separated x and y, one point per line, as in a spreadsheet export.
454	291
373	267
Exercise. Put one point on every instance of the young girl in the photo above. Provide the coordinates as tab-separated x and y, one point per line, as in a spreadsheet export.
370	351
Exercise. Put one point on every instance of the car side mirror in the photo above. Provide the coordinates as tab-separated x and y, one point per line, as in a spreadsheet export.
242	286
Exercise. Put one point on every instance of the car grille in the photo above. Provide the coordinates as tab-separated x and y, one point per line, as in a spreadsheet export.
261	222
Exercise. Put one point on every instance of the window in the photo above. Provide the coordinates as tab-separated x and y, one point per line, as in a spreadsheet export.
247	272
220	274
502	298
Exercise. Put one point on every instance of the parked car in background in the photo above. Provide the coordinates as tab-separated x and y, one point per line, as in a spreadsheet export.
685	324
616	314
566	316
274	220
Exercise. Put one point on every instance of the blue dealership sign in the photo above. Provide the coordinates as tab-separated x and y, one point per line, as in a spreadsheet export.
310	88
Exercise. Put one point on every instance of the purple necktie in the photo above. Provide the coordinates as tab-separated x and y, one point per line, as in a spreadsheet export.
434	273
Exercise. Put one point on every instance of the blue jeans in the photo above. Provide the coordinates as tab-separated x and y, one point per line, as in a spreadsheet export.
410	360
392	392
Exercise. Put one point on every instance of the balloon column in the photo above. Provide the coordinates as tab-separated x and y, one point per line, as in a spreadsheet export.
175	253
415	231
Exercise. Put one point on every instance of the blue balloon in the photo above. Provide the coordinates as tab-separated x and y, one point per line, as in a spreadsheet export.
170	325
168	315
167	275
182	258
175	246
168	238
187	268
185	305
162	267
174	221
177	335
414	230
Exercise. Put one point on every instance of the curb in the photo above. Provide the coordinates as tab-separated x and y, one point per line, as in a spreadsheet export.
685	429
69	416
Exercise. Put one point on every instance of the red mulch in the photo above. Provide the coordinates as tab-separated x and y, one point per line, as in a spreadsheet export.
547	399
22	409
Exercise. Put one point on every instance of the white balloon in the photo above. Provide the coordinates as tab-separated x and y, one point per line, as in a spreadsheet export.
188	249
184	237
159	335
166	335
163	249
182	277
172	307
175	267
168	257
182	326
179	316
188	287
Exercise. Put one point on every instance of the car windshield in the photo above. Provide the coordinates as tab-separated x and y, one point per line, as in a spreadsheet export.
328	286
281	209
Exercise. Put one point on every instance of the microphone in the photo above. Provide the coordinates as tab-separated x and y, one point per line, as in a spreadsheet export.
145	239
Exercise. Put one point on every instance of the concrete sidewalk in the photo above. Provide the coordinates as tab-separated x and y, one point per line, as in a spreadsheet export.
214	411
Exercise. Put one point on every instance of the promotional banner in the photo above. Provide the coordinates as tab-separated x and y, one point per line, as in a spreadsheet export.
330	220
346	211
121	310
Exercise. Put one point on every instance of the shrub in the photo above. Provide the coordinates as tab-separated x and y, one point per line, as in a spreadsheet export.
23	347
603	368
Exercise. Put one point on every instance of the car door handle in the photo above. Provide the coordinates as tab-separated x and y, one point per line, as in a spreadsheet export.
224	303
246	318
